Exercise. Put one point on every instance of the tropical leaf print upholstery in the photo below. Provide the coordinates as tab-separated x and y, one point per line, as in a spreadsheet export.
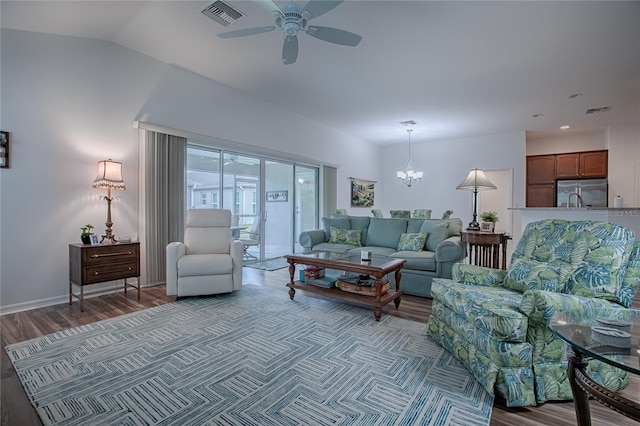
496	322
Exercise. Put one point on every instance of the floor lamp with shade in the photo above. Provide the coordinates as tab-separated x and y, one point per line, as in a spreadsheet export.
476	181
109	177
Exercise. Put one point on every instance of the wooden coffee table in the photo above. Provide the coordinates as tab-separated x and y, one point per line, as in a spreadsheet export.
378	267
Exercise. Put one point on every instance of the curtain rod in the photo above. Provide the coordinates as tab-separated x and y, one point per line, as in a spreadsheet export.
372	181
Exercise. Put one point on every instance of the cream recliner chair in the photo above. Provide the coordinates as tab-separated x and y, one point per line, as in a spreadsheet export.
208	262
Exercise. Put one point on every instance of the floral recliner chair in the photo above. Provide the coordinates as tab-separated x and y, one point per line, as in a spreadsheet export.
496	322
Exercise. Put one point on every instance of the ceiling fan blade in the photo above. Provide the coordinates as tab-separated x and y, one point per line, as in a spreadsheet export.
316	8
290	50
334	35
246	32
268	5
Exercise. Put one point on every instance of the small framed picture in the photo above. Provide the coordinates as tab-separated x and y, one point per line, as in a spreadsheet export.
277	195
487	226
95	240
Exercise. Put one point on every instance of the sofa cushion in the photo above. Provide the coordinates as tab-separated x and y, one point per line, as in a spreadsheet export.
361	223
385	232
412	242
345	236
494	310
437	230
414	225
376	251
417	260
336	222
455	227
333	248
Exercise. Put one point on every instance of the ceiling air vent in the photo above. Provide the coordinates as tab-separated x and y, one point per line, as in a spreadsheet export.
222	13
597	110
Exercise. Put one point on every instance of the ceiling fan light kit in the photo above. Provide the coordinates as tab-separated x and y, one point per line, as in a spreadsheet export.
291	20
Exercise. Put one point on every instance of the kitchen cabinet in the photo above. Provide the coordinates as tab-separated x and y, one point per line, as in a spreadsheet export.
541	169
541	195
544	170
589	164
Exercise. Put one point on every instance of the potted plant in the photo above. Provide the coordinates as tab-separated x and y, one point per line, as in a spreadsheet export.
85	236
489	220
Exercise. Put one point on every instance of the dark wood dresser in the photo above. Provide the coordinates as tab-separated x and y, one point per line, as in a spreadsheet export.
89	264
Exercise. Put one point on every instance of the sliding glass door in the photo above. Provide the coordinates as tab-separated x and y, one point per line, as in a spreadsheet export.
271	201
306	204
241	183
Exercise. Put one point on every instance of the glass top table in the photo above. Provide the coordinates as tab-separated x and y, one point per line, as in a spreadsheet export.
614	339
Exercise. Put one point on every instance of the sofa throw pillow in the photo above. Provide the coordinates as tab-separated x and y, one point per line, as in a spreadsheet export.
436	230
412	242
336	222
345	236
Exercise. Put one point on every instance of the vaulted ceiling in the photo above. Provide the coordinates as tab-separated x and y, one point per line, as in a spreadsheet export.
458	69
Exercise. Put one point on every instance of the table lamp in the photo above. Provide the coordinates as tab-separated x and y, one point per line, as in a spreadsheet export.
109	177
476	181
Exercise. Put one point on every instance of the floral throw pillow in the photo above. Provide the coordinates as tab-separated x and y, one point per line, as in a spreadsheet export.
412	241
346	236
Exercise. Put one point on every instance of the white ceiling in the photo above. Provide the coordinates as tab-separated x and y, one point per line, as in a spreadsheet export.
458	69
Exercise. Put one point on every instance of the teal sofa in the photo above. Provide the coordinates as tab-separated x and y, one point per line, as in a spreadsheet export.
496	322
383	236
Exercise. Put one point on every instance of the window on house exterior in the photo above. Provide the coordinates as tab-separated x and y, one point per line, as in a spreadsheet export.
254	200
203	196
214	200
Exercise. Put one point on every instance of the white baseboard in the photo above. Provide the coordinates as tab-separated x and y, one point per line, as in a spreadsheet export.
58	300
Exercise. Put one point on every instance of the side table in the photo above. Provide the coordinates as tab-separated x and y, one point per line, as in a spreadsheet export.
577	332
485	248
90	264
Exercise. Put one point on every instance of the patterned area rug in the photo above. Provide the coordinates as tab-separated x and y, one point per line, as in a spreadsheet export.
269	264
253	357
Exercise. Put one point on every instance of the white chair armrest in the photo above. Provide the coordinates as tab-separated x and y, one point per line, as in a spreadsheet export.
175	251
237	253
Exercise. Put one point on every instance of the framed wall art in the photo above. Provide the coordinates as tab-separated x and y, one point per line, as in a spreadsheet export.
277	195
4	149
362	192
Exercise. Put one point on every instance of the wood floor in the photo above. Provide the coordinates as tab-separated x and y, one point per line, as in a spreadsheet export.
17	410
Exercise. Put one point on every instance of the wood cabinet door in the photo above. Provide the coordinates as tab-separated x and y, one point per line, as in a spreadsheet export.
541	195
541	169
594	164
568	165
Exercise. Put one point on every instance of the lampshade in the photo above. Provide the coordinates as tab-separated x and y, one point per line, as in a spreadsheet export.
109	175
476	180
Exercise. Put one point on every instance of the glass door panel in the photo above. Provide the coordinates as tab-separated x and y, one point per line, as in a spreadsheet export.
306	205
279	201
203	178
241	186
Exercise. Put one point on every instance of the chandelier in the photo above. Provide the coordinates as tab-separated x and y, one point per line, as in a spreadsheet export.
409	176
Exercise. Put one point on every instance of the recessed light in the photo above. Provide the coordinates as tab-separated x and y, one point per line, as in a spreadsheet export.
565	127
577	95
537	115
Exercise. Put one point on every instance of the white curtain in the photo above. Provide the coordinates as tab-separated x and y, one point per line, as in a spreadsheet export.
164	182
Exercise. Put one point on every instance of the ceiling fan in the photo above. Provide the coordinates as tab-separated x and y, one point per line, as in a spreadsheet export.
291	19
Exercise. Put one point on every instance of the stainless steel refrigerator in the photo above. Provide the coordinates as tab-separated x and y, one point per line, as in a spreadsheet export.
593	192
